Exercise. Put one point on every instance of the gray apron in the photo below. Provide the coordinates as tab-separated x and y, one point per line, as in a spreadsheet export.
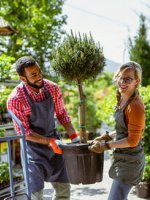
44	165
128	163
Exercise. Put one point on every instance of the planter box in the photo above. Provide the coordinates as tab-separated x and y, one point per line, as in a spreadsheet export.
83	166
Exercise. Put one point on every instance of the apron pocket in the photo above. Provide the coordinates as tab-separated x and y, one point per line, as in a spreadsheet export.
127	168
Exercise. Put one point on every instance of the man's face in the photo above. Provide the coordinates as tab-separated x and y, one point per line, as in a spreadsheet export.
33	76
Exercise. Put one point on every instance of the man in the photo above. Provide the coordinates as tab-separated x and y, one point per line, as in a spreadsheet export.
35	101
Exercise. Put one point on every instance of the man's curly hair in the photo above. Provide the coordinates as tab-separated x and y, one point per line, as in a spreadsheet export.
23	62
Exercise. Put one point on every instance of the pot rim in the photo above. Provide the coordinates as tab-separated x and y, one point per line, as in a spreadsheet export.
74	145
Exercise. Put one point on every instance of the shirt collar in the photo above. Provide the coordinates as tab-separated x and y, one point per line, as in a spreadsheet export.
30	91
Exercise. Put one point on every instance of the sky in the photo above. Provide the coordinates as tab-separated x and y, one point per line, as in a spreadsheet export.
110	22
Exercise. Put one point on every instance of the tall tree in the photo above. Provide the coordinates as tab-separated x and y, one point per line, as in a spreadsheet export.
39	24
139	50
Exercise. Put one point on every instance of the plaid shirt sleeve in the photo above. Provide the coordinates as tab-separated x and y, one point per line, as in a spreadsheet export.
17	107
60	109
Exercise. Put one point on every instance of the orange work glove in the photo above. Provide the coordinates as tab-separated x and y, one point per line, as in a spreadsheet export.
54	144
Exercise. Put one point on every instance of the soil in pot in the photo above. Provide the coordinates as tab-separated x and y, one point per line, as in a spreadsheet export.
143	190
83	166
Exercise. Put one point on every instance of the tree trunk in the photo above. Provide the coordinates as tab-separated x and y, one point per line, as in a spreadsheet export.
82	113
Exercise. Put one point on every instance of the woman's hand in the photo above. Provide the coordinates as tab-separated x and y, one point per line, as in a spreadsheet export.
98	146
105	137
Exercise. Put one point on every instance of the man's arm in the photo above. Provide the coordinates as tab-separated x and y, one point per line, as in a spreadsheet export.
71	132
37	138
63	116
17	107
69	128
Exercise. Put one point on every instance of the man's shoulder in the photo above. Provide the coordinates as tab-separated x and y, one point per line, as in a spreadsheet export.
50	84
17	93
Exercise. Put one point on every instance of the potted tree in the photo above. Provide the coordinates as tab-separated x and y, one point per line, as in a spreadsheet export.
78	59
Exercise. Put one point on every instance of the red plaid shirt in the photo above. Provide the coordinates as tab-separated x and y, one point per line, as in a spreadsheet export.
18	103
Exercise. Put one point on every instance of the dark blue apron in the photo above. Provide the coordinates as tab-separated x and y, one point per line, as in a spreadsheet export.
128	163
44	165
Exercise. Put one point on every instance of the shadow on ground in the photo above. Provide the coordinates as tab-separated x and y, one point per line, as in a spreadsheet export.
88	191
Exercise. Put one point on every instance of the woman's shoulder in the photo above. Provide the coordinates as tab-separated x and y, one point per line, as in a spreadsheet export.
137	103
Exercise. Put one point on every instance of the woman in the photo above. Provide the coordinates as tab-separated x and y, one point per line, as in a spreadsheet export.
128	165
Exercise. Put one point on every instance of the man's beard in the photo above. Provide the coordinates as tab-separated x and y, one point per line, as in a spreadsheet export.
34	84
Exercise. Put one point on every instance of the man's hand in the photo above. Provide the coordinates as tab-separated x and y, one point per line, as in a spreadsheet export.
105	137
54	144
98	146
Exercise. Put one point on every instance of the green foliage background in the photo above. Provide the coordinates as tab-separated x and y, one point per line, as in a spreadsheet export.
4	173
145	93
5	66
139	50
39	25
146	175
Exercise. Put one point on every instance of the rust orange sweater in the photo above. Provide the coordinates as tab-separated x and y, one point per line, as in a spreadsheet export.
135	120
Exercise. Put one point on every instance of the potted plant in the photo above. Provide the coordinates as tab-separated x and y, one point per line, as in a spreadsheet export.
5	179
4	93
143	188
4	174
78	59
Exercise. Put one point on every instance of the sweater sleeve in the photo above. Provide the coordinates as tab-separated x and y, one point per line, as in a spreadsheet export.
135	119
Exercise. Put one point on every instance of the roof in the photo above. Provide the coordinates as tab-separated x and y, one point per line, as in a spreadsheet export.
5	28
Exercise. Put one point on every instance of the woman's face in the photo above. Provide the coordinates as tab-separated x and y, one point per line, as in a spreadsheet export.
126	82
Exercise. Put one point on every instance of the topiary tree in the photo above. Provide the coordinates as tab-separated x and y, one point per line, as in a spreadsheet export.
76	59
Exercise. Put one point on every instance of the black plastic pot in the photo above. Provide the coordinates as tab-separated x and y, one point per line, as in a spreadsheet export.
143	190
83	166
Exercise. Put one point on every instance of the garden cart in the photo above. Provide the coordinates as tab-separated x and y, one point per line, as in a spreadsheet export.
23	193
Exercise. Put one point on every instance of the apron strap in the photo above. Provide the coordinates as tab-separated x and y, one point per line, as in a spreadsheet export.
28	96
129	100
46	93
